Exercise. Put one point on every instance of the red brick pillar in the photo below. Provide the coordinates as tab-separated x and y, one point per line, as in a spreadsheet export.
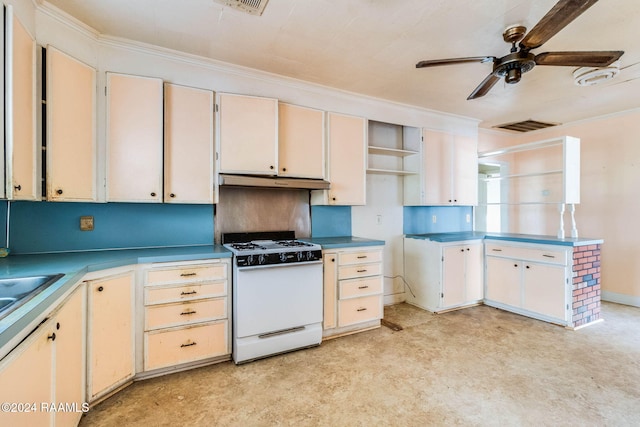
586	284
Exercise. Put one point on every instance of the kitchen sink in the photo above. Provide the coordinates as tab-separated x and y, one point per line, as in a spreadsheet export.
15	292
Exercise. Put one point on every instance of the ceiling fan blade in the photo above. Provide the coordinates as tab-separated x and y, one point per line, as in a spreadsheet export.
579	59
555	20
484	87
436	62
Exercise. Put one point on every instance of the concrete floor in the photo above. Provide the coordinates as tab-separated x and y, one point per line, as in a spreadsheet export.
477	366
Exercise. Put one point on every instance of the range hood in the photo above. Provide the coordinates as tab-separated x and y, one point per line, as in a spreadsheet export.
273	182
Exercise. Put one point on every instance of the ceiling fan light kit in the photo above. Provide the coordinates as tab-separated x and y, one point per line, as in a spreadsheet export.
520	60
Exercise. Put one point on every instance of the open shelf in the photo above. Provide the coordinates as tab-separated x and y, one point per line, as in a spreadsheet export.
391	151
390	172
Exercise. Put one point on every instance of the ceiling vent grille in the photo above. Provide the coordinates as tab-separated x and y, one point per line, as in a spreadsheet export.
526	126
253	7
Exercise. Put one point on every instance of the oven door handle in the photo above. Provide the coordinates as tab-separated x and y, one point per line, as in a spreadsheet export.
284	264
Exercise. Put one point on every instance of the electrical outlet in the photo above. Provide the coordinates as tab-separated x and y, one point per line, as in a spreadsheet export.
86	223
434	219
379	219
468	218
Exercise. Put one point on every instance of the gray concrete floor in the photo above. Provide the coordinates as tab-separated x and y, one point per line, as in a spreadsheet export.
477	366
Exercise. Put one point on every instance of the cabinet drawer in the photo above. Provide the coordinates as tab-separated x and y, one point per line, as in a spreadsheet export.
505	251
346	258
176	346
360	287
187	273
357	310
548	256
359	270
157	294
166	315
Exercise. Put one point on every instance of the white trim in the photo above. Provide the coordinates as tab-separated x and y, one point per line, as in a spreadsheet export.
632	300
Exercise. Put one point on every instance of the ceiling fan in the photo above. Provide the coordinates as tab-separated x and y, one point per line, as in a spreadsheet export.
521	60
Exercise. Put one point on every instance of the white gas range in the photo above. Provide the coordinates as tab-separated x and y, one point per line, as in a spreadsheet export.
277	293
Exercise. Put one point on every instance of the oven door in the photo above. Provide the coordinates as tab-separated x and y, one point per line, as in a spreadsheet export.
275	298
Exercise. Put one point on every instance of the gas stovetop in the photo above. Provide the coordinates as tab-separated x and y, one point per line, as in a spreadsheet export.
251	249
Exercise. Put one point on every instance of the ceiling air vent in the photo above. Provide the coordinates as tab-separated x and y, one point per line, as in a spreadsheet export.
253	7
526	126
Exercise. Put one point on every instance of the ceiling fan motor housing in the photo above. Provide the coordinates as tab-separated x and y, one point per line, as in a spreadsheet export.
512	66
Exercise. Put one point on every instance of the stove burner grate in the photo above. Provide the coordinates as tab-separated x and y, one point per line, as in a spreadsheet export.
246	246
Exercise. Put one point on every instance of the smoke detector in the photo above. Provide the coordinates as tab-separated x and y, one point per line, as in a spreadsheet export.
253	7
589	76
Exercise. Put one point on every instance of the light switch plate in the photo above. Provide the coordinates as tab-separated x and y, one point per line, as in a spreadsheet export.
86	223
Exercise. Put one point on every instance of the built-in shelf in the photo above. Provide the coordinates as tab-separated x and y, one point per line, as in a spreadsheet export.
522	175
390	172
391	151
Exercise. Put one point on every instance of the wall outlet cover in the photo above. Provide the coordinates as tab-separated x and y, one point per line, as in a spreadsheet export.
86	223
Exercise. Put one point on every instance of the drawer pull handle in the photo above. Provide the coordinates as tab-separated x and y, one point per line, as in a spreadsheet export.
548	256
361	309
188	293
361	256
497	250
188	274
187	345
363	287
362	271
186	313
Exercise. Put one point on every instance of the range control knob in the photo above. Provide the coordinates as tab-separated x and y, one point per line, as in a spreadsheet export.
283	257
310	256
300	256
261	259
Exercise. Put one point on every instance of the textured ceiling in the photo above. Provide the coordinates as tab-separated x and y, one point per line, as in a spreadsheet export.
371	47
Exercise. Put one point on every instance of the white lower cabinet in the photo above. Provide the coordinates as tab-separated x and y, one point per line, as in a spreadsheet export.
529	279
186	313
110	322
47	370
443	276
353	290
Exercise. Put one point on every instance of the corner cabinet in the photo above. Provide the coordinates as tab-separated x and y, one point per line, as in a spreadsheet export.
189	158
443	276
22	150
71	128
47	369
110	347
248	134
347	163
186	314
134	138
449	171
353	290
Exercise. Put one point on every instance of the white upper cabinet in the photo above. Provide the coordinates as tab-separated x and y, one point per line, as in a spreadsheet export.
22	171
71	141
134	138
347	142
449	174
248	127
188	145
301	142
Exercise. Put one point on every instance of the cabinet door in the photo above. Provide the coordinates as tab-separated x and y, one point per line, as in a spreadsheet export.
436	186
110	334
188	145
248	129
503	281
453	275
544	289
330	286
473	272
70	357
347	159
26	378
301	141
71	152
20	122
134	138
465	171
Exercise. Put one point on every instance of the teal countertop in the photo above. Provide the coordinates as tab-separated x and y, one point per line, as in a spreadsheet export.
74	265
512	237
344	242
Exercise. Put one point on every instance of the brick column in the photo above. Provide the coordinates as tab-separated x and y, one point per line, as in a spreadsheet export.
586	285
